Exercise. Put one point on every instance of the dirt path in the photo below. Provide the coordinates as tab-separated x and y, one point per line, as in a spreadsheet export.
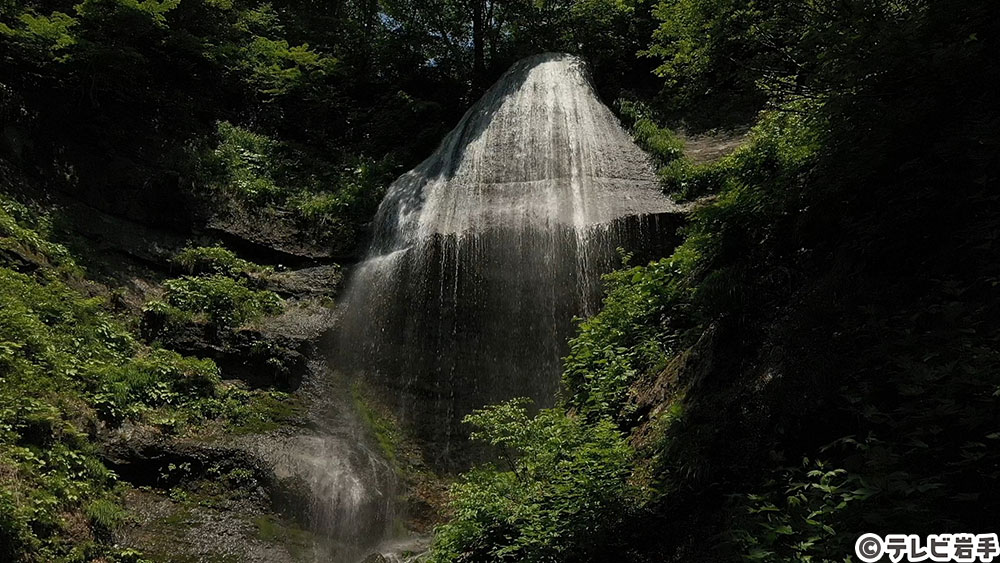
707	147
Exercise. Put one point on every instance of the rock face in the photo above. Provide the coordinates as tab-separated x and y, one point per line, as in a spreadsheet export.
484	253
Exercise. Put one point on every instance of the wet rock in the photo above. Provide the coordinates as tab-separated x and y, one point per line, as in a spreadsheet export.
273	236
160	462
259	357
265	359
305	320
19	261
146	460
165	529
315	281
115	238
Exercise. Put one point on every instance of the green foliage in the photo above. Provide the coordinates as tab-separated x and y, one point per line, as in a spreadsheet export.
159	379
105	516
561	493
276	68
245	163
51	340
703	49
68	367
330	205
836	288
681	178
222	290
838	285
792	520
606	32
628	338
16	536
779	149
687	181
821	316
658	141
215	260
222	300
292	107
757	187
650	314
360	191
51	332
25	233
164	80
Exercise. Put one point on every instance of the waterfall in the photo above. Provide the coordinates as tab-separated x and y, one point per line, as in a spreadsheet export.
481	257
484	253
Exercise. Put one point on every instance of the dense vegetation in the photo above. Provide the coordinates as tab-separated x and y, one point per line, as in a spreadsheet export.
73	370
817	359
304	108
170	114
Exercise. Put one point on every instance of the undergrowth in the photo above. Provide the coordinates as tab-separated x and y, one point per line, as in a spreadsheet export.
329	204
818	358
70	372
224	292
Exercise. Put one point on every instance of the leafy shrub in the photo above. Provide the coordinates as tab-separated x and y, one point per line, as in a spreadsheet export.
660	142
160	318
841	274
259	169
320	206
276	68
105	516
25	232
686	181
244	164
223	301
561	493
50	332
16	536
215	260
156	379
793	519
628	338
336	211
58	351
329	202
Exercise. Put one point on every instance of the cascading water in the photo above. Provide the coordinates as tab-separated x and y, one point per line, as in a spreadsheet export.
483	254
352	488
